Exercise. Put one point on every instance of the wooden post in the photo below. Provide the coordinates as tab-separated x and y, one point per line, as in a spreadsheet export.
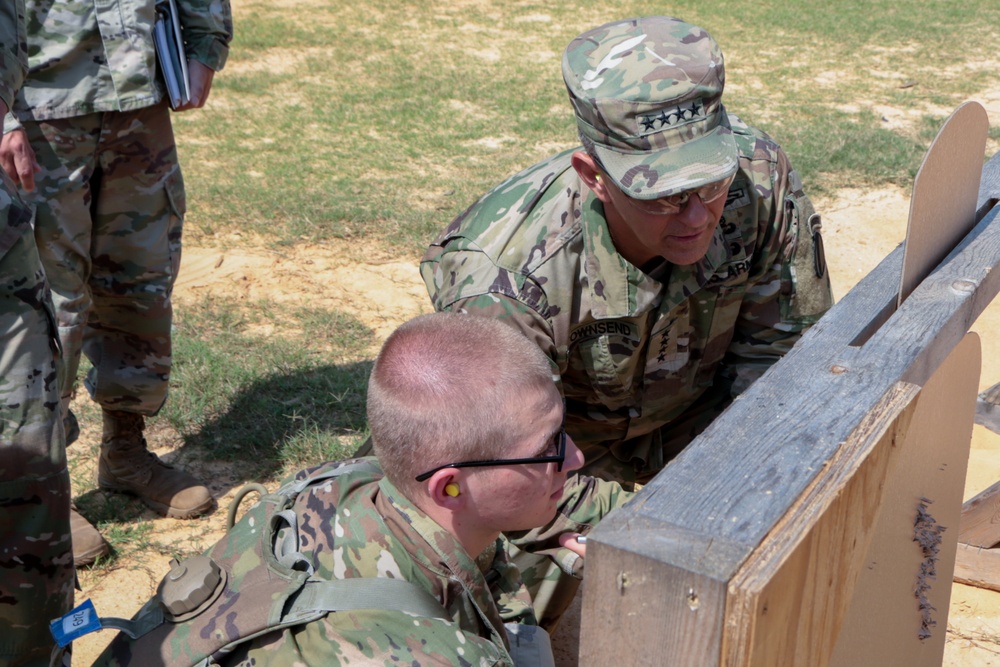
815	522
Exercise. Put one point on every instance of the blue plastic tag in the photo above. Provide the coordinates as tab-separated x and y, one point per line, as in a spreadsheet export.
77	623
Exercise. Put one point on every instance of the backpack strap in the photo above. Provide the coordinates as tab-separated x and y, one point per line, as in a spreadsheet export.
318	598
363	593
283	529
295	487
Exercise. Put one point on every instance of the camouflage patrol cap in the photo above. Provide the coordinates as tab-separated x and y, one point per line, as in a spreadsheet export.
647	93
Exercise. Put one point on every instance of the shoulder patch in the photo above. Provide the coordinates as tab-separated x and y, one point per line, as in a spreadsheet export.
739	195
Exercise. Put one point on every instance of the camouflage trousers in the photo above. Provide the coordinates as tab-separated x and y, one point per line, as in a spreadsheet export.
36	559
109	206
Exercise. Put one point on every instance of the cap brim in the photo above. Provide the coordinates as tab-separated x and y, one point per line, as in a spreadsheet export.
652	175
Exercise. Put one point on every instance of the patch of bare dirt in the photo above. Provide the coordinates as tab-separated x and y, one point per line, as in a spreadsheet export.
860	229
381	293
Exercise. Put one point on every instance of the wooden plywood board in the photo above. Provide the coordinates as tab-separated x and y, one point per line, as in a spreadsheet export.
787	604
898	614
943	203
833	583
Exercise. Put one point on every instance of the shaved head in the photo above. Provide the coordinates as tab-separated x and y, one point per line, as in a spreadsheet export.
448	387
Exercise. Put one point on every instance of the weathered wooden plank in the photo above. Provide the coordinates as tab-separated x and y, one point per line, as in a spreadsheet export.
976	566
936	316
988	405
786	605
661	606
980	524
989	187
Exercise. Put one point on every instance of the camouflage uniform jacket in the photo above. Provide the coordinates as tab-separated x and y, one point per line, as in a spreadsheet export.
87	56
632	349
13	50
360	525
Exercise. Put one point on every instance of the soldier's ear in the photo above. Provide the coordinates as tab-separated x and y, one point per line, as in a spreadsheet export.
445	489
590	174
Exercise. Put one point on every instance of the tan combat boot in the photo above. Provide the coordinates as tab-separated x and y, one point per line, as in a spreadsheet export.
88	544
126	465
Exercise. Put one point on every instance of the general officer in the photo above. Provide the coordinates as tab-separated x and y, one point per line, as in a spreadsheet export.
663	266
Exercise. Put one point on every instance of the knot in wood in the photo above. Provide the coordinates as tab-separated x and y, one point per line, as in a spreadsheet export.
964	286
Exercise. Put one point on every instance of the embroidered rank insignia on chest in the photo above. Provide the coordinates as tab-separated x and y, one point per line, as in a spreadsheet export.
673	350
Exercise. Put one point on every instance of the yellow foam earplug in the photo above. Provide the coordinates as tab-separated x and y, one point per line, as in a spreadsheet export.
452	490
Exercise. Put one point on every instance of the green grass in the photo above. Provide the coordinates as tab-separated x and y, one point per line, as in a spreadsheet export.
270	403
264	404
380	121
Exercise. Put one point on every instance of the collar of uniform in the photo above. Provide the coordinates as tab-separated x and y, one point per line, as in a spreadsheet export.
686	280
617	288
620	289
452	561
448	549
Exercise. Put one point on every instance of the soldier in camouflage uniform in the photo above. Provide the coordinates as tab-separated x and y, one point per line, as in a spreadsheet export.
663	267
109	205
651	285
36	562
451	400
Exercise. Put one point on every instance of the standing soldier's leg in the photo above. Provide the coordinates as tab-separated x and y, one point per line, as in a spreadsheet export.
67	151
138	211
36	561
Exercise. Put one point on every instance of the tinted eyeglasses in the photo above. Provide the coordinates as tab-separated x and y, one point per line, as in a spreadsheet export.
558	440
708	193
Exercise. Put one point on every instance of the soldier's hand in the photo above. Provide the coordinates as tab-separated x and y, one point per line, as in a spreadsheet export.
568	541
200	76
18	159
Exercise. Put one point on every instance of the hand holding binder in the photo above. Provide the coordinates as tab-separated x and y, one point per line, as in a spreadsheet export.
170	52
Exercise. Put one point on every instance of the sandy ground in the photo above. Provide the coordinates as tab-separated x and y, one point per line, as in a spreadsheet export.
860	228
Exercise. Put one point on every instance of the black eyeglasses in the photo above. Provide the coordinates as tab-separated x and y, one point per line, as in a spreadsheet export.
558	459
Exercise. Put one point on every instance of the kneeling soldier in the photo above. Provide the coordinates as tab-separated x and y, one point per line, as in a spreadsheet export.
468	431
